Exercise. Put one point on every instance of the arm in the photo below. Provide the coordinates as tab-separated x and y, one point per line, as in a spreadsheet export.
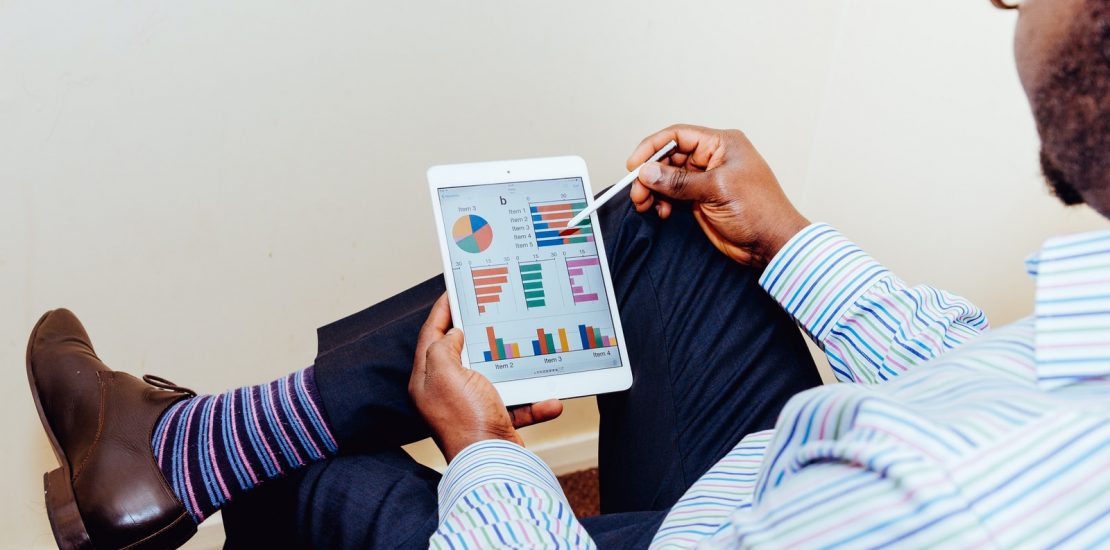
499	494
871	324
495	493
847	505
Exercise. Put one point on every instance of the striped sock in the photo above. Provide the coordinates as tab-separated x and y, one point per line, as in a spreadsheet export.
214	447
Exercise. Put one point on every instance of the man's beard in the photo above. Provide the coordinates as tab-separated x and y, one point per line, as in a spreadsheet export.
1058	182
1072	109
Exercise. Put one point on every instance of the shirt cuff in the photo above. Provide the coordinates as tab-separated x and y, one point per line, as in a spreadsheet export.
818	276
494	461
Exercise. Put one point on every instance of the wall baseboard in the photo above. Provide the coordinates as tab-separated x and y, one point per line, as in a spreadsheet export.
569	454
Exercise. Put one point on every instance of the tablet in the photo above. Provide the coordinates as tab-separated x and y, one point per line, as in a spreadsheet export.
534	298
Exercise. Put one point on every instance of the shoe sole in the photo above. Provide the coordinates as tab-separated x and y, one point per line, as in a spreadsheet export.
61	503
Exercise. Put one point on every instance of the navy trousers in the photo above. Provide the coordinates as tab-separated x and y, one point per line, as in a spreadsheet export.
713	358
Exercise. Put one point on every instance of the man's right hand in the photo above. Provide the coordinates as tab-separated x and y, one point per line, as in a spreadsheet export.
733	193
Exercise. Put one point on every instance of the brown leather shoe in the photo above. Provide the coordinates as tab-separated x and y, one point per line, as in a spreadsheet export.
109	492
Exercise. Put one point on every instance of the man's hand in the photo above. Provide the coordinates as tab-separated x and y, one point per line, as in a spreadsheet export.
733	193
461	406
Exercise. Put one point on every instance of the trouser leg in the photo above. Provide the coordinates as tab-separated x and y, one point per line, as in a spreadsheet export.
625	529
378	500
363	367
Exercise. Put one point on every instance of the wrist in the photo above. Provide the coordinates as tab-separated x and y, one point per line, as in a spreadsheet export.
781	232
451	447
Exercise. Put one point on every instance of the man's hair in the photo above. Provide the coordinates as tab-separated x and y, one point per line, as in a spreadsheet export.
1072	108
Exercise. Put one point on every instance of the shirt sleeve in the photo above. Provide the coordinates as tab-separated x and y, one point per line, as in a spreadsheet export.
728	486
897	501
496	494
871	325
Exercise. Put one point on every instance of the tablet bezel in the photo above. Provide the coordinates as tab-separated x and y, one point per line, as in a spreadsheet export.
560	386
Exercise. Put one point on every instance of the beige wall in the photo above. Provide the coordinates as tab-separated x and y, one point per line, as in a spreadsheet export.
204	183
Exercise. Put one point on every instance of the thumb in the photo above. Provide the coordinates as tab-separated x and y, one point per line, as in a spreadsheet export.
676	183
454	340
443	355
526	415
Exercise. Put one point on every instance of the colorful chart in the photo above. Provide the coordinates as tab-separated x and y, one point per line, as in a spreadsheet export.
531	276
472	234
549	222
546	343
488	284
576	271
498	349
592	338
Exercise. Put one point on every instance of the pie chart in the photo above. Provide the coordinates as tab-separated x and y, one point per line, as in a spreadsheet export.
472	233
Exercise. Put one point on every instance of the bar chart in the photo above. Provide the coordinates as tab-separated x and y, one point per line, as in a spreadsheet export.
531	279
489	284
498	350
549	224
546	343
579	280
592	338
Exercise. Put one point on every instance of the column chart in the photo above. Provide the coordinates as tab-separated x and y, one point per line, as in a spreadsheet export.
547	343
498	349
592	338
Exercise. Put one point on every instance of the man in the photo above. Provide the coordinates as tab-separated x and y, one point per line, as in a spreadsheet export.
314	459
946	434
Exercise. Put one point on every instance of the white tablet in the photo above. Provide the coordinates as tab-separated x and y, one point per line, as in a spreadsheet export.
533	297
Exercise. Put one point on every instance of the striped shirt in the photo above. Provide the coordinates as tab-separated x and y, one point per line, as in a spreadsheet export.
941	434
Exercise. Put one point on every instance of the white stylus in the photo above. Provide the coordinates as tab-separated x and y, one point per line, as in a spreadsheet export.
620	185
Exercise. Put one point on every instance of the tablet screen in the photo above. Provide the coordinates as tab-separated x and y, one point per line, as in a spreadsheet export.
530	290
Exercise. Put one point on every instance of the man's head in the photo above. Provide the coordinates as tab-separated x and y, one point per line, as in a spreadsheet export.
1063	56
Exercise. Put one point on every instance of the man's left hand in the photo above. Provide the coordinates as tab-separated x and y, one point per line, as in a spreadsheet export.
461	406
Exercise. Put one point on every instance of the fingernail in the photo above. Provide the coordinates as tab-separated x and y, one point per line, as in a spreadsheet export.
650	172
453	331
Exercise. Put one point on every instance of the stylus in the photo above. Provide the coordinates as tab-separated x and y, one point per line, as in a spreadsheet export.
620	185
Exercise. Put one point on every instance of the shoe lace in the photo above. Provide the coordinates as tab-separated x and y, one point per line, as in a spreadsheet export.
162	383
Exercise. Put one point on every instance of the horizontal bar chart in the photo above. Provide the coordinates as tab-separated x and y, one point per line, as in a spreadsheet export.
549	223
531	278
576	271
489	284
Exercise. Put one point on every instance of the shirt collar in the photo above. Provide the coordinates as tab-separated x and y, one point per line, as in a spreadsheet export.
1072	312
